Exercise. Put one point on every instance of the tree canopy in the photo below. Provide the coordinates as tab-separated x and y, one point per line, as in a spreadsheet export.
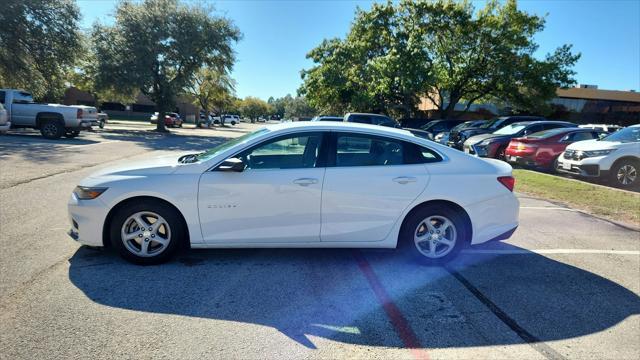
212	90
157	47
443	50
253	108
39	43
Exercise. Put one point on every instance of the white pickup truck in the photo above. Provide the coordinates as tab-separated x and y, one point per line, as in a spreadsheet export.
53	120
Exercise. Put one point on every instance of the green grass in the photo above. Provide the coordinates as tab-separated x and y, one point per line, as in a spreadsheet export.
609	203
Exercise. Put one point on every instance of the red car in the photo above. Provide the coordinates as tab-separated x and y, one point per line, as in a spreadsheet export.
541	149
170	119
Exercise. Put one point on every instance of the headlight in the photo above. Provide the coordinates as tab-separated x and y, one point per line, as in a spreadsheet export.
595	153
88	193
439	136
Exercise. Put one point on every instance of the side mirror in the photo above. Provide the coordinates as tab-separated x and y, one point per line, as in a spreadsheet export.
231	164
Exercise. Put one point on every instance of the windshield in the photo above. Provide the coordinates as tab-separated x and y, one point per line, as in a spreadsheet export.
229	144
510	129
492	123
630	134
465	125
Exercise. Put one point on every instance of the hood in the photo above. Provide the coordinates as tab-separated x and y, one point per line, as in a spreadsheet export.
587	145
478	138
161	165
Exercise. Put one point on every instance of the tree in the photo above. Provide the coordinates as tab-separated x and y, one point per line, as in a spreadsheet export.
443	50
299	108
489	56
253	108
212	90
381	66
39	44
157	46
279	105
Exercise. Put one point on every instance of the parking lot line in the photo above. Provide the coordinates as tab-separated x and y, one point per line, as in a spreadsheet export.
538	345
547	208
399	322
550	251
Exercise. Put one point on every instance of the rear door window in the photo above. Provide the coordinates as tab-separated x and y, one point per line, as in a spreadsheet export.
367	150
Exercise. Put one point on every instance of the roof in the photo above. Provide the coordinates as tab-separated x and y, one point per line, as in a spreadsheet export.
544	122
334	125
598	94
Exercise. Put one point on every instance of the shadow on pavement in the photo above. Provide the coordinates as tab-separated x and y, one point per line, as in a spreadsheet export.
321	292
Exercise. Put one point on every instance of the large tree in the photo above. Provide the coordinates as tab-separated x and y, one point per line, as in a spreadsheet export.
157	46
380	66
253	108
39	44
212	90
443	50
299	107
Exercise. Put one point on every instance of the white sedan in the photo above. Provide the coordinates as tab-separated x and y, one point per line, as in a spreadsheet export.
301	184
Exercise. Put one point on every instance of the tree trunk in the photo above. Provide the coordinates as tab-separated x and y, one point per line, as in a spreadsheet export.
162	109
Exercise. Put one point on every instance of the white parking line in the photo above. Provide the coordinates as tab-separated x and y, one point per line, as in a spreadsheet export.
97	143
550	251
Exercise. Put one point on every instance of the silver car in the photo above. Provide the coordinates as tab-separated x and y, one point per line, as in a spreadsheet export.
5	124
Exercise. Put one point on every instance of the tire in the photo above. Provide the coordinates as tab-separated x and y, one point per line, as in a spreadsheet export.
52	129
625	174
144	248
71	134
101	124
501	153
431	249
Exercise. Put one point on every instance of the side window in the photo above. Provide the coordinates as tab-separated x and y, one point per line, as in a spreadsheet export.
416	154
364	150
579	136
552	126
533	129
289	152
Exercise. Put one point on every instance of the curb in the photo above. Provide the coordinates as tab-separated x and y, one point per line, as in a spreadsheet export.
636	193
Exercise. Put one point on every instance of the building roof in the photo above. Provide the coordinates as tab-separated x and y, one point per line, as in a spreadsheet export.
597	94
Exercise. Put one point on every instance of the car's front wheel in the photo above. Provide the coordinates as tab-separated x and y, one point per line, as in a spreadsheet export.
434	234
147	232
624	173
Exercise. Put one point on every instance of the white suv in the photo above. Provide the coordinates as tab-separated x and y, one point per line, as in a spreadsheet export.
615	157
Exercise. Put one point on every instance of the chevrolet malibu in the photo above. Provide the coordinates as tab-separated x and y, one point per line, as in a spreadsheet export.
304	185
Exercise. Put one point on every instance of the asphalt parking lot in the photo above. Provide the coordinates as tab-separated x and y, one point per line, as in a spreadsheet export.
566	285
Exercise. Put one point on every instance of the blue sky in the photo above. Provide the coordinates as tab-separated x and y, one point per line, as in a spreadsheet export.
278	34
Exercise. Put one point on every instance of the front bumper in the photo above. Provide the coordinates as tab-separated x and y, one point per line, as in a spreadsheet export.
587	167
86	218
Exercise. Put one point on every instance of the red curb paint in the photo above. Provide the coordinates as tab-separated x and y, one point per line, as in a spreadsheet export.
400	324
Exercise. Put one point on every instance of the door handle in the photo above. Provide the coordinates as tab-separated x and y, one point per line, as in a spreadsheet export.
404	179
305	181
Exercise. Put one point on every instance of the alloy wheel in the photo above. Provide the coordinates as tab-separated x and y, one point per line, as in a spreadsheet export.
50	129
627	174
145	234
435	236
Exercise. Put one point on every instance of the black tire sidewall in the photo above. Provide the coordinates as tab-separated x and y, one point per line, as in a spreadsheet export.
406	243
167	212
613	176
59	129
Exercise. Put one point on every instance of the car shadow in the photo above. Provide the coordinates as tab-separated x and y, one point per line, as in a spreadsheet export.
323	293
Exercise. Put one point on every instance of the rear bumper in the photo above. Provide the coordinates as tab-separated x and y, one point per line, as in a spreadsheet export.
494	218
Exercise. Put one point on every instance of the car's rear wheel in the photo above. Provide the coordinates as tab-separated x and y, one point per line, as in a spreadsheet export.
147	232
501	154
624	173
52	129
434	234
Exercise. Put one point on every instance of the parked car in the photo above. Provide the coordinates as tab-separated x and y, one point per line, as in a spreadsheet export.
327	118
231	119
494	145
317	171
5	124
171	119
458	137
542	149
443	137
437	126
603	127
372	119
414	123
615	158
103	119
53	120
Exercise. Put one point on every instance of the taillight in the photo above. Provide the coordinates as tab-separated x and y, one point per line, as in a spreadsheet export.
79	113
508	181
